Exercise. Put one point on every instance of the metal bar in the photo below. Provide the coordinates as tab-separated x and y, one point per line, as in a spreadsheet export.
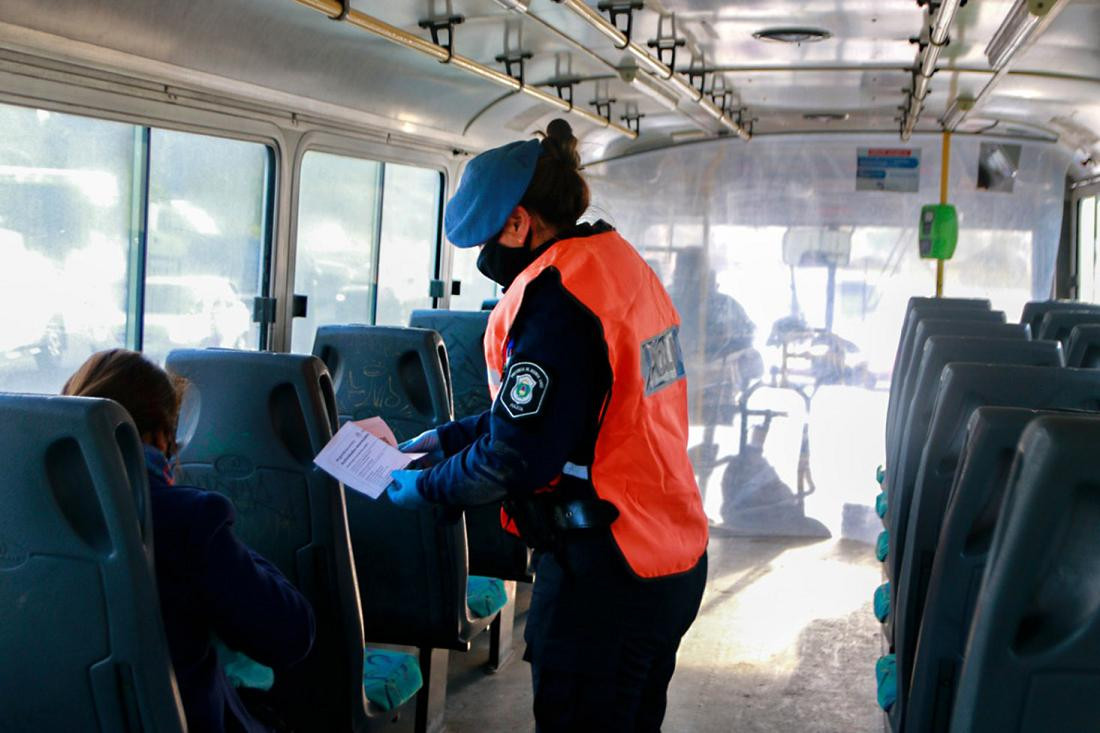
437	272
401	37
657	71
267	233
945	167
139	240
926	63
840	69
648	63
1002	72
945	179
376	262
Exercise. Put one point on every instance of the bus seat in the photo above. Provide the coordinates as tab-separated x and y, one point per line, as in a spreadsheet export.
80	626
918	308
925	305
1057	325
944	327
939	351
933	486
905	357
250	426
1034	311
1083	347
985	324
1033	658
463	333
957	566
493	552
410	598
916	313
399	374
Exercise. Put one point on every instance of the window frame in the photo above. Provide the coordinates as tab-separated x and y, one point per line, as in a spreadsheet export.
268	222
193	121
320	141
1076	195
288	130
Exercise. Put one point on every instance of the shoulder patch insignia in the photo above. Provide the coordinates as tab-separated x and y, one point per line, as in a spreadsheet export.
524	389
662	360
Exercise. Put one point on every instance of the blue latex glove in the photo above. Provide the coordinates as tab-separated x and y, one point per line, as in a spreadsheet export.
403	492
427	442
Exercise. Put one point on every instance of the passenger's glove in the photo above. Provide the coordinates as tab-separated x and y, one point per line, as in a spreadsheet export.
403	492
428	443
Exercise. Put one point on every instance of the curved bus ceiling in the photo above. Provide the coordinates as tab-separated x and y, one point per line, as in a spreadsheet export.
858	76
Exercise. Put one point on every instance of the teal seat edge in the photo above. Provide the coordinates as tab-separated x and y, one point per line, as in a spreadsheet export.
390	679
485	596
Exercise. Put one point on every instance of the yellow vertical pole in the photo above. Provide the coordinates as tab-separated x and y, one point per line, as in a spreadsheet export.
945	171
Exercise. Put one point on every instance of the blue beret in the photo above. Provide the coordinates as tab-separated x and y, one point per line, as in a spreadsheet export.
492	185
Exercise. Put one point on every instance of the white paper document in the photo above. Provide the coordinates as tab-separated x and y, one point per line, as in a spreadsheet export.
362	461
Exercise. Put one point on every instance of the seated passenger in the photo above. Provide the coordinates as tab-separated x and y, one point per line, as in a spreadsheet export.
211	585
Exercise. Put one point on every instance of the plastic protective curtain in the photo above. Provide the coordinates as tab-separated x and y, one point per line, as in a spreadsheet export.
792	284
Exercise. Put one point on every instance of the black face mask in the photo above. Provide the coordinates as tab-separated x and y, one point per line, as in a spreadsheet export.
503	264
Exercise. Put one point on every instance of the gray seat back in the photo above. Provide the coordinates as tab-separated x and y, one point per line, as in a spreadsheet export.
399	374
1033	658
1034	311
926	305
954	579
1057	325
81	637
939	351
492	551
412	565
944	327
918	310
935	477
250	427
1083	347
463	333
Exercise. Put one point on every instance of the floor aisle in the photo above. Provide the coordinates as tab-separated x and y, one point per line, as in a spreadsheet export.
785	641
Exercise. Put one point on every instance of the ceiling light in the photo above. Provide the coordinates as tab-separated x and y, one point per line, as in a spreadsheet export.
825	116
1017	28
792	35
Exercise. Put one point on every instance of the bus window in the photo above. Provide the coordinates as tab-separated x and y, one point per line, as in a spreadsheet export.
1086	249
337	238
206	241
66	193
410	235
476	288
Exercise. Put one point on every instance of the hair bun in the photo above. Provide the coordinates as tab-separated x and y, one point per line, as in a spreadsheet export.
560	140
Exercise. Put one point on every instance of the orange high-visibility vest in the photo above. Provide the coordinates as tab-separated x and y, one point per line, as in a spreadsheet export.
641	463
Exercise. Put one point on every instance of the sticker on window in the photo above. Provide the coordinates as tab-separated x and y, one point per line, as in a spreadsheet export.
524	389
662	360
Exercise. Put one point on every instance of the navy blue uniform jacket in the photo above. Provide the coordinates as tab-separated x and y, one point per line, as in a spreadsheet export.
210	585
494	454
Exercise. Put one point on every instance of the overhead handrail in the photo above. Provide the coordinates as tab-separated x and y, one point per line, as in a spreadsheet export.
650	64
370	24
960	107
663	43
926	63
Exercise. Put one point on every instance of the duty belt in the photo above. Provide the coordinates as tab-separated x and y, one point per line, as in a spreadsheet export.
584	514
572	514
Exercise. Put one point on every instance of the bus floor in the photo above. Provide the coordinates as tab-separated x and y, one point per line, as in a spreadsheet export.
785	641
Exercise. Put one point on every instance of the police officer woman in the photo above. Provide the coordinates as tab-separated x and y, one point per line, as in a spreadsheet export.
586	440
